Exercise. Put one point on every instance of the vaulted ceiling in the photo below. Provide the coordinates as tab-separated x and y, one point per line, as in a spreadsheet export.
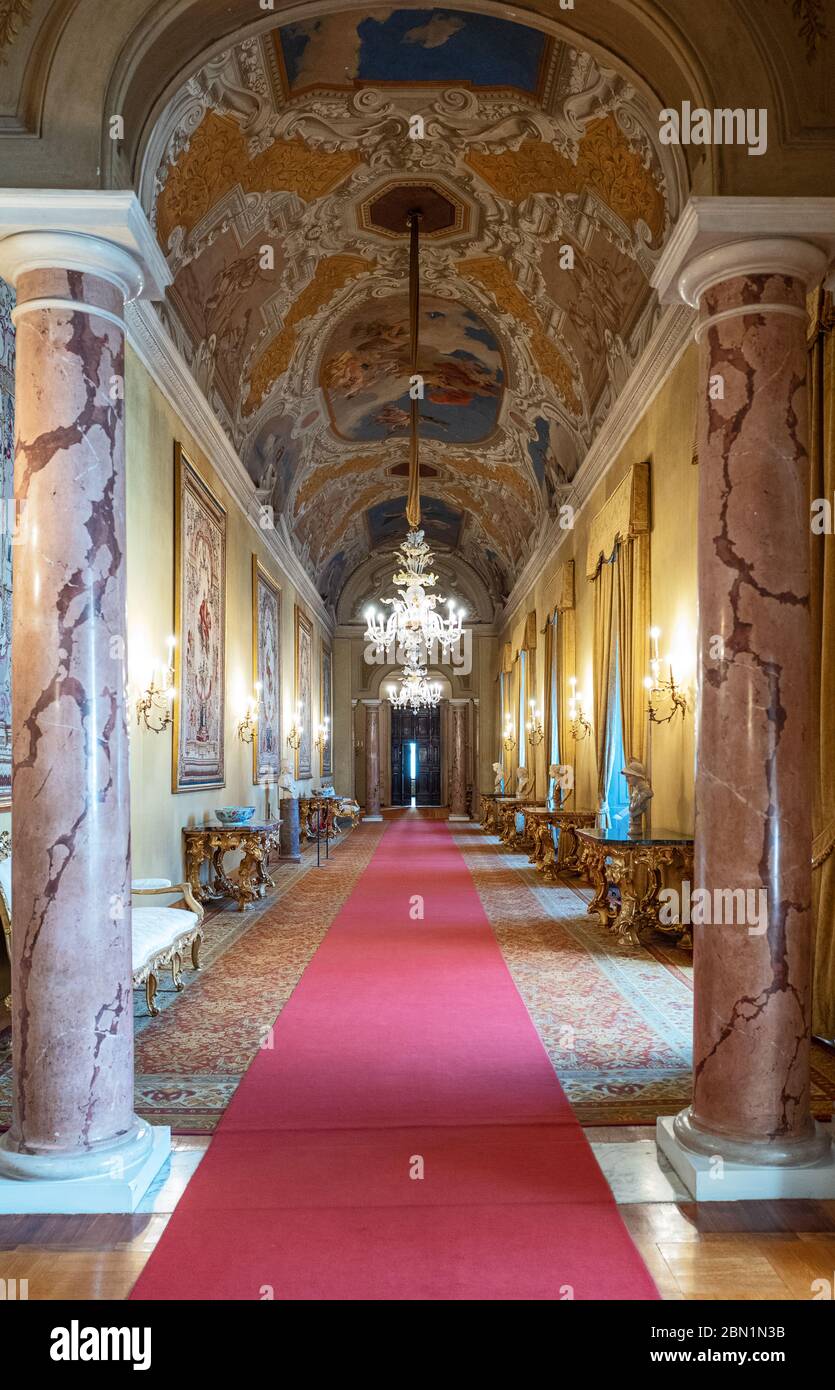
280	175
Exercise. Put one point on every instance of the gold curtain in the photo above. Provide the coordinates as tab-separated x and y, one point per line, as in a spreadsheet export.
529	642
604	598
548	720
565	670
632	565
566	658
822	480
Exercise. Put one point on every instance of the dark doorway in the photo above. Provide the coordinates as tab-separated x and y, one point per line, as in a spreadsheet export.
416	757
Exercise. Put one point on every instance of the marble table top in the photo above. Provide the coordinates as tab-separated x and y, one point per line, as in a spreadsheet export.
617	836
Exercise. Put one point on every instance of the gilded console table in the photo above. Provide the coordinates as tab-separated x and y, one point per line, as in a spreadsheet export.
614	858
551	860
317	815
209	843
507	810
489	808
495	804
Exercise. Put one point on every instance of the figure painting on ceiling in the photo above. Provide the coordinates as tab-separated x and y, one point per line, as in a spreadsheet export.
434	46
553	458
365	373
386	525
200	656
272	462
304	693
266	657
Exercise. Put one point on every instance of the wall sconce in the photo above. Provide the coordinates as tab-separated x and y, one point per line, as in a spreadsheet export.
580	726
322	736
247	726
509	739
154	708
536	732
659	690
294	737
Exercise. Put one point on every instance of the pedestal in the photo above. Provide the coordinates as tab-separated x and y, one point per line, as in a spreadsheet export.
289	851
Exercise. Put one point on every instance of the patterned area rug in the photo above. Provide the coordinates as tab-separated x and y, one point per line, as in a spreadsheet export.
190	1058
615	1020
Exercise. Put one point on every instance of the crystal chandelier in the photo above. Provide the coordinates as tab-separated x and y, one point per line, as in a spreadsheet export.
415	692
413	623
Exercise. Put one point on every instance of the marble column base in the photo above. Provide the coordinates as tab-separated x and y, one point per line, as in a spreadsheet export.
370	818
455	816
747	1181
116	1179
796	1152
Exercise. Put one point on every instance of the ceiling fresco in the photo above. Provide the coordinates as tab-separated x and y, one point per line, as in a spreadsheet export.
269	180
438	47
365	373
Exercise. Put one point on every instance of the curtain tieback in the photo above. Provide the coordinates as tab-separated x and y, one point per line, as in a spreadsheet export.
604	820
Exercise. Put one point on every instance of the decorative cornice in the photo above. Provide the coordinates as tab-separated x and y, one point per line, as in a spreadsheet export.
77	224
673	335
709	224
169	369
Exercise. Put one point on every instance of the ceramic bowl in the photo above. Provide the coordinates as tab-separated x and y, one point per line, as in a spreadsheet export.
235	815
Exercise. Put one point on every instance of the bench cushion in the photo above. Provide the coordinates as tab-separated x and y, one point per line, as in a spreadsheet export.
155	929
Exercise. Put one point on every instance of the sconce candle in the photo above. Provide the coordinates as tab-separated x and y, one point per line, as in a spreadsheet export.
536	732
294	736
247	726
154	706
660	690
580	726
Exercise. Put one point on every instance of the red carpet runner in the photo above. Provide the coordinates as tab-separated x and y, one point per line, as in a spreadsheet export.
405	1050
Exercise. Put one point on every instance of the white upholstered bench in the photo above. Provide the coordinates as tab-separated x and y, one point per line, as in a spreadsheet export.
160	935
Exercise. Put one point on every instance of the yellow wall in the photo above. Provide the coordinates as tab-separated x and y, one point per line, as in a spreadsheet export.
665	436
157	813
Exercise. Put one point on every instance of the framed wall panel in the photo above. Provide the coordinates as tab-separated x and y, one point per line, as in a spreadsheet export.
326	704
304	693
200	628
266	673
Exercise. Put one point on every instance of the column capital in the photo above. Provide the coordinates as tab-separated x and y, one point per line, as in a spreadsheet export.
717	239
99	232
458	702
373	704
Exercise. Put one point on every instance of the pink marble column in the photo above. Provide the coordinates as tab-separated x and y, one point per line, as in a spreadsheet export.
753	774
458	761
71	981
372	760
475	807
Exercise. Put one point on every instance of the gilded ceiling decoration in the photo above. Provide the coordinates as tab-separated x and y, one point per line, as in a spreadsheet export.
301	140
606	162
496	276
217	160
331	275
323	477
